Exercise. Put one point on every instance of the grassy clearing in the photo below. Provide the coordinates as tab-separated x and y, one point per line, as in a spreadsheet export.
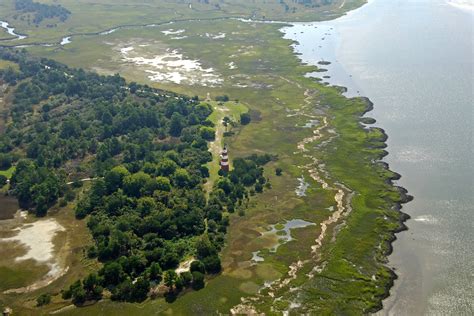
5	64
8	173
232	110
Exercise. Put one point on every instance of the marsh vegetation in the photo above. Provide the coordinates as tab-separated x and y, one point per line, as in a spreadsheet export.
148	209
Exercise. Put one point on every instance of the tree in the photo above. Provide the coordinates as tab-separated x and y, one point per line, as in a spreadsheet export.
140	289
79	296
170	278
43	299
163	184
258	187
133	184
204	247
212	264
114	178
67	294
176	124
187	278
112	273
166	167
197	265
5	161
181	177
123	291
91	285
226	121
145	205
3	180
70	128
179	283
208	133
222	98
278	171
245	118
154	272
198	280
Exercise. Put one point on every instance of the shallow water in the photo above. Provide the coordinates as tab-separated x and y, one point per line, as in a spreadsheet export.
11	30
414	60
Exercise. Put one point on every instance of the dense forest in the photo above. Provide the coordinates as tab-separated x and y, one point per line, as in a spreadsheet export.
42	11
144	153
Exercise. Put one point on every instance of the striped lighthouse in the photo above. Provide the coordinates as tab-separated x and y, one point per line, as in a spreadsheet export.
224	160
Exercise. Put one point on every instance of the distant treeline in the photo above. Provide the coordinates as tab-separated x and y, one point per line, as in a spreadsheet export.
42	11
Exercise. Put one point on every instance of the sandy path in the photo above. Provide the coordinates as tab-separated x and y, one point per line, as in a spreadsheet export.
82	180
215	147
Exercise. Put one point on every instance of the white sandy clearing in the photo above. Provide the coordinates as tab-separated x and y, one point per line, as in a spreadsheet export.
172	66
179	37
219	35
232	65
172	32
184	266
38	238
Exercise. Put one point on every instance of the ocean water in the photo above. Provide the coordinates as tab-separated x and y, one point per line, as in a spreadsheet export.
414	60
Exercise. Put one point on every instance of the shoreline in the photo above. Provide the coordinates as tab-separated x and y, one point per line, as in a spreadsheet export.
405	197
403	217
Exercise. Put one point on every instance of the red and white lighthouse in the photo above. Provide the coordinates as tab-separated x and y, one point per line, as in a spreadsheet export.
224	160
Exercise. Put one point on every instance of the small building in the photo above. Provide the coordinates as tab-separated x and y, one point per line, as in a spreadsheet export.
224	163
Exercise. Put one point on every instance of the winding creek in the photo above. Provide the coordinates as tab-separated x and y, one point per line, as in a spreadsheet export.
11	30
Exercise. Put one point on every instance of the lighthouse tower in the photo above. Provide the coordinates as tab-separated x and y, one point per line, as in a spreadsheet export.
224	160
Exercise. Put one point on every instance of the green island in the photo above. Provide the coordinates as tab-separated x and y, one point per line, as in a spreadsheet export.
123	170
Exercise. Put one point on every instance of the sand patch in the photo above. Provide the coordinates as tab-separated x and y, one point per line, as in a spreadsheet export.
302	187
37	238
184	266
172	32
232	65
219	35
169	66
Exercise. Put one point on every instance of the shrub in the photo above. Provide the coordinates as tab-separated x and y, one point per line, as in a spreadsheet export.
3	180
43	299
212	264
198	280
278	171
198	266
245	118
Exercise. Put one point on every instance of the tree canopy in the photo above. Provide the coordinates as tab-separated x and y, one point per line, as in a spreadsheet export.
144	153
